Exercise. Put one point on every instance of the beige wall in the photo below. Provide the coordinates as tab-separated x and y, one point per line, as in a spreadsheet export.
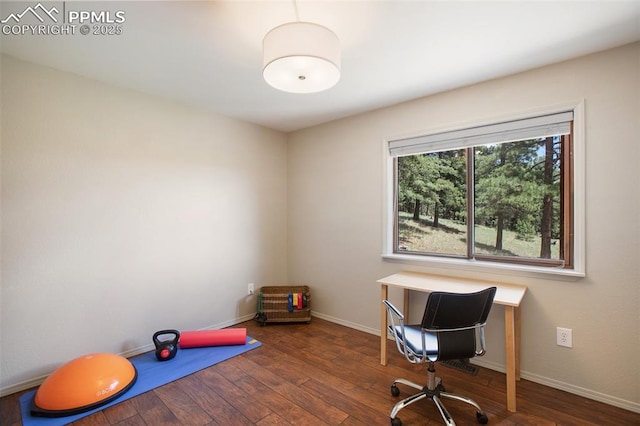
123	214
335	195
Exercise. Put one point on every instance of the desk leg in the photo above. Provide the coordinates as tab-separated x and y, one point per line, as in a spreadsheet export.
517	339
405	306
513	364
383	324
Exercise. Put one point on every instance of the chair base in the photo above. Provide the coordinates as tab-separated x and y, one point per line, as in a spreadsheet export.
434	395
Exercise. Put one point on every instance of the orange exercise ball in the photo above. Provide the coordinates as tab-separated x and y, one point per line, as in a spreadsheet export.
83	384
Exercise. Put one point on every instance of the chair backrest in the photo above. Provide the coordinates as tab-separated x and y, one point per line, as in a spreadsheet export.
455	318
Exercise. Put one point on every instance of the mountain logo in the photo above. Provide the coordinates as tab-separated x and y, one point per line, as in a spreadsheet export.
38	11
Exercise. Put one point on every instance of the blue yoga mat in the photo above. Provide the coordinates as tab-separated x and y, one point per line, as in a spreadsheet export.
151	374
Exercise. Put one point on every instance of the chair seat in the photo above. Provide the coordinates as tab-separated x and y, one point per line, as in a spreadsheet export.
413	335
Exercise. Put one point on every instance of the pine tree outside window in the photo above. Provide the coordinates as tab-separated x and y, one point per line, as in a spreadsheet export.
500	193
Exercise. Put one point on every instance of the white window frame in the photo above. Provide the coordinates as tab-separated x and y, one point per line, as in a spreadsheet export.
579	192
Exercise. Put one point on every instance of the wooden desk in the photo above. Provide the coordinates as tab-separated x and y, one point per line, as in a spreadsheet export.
508	295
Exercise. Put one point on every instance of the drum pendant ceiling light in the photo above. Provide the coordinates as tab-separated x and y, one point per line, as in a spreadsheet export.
301	57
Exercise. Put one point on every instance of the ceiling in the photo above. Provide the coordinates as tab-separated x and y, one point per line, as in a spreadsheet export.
209	53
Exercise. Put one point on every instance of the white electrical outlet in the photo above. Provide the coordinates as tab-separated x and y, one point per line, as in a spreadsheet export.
564	337
250	289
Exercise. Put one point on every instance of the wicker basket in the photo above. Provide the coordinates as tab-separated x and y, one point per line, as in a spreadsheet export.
274	304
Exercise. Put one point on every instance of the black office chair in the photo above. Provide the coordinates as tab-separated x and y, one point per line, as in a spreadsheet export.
452	328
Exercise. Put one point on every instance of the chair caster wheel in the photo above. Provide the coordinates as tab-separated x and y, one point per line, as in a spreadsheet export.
396	422
395	391
482	418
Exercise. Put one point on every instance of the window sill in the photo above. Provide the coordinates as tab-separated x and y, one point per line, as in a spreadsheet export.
548	273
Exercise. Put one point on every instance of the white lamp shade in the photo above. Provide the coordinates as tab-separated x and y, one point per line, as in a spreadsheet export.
301	57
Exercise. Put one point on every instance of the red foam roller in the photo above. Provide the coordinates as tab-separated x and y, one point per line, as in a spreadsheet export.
203	338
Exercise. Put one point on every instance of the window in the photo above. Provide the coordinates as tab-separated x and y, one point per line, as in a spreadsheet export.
501	194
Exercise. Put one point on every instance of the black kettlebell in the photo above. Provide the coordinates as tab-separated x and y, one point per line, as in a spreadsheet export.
168	348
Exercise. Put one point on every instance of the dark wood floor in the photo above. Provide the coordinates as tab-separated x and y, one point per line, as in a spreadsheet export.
326	374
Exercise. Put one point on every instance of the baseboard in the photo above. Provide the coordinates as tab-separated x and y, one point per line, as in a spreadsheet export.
587	393
37	381
567	387
346	323
556	384
18	387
